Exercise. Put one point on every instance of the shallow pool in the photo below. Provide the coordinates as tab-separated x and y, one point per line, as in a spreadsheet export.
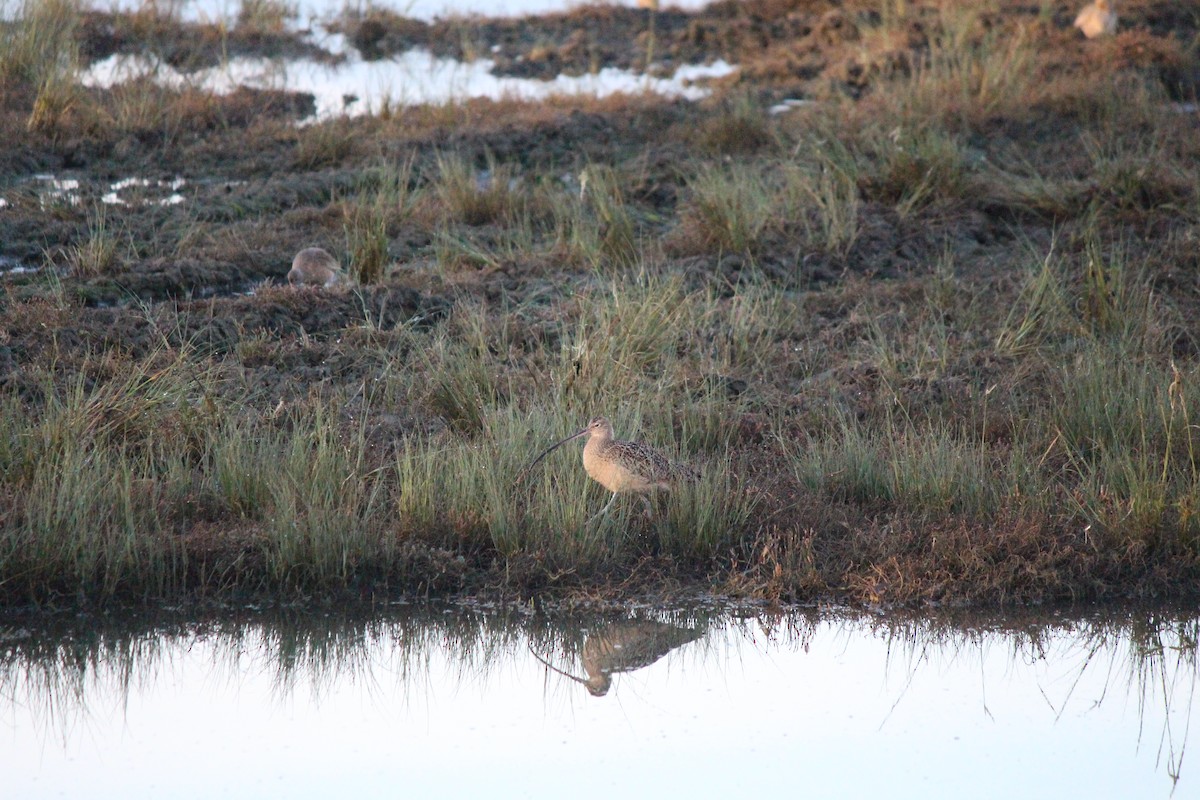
477	701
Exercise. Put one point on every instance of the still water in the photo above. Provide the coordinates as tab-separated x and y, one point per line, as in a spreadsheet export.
409	78
471	701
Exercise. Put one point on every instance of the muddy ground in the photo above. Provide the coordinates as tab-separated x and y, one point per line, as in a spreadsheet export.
258	187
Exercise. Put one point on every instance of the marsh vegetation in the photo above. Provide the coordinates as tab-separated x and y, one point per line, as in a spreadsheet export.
931	337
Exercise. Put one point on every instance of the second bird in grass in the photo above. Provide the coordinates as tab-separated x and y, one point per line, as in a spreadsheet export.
622	466
313	266
1098	19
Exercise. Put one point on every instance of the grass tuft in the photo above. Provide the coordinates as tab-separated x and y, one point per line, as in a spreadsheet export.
476	197
98	254
730	209
261	17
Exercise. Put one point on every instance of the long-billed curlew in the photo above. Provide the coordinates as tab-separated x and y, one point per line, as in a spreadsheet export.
1098	19
624	647
621	466
313	266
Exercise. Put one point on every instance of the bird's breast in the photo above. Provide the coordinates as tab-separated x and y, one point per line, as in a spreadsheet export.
605	470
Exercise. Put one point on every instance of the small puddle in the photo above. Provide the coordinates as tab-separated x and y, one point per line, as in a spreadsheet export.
356	87
833	703
142	191
424	10
14	266
52	190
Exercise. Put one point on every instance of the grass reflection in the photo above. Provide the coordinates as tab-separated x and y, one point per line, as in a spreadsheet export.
65	672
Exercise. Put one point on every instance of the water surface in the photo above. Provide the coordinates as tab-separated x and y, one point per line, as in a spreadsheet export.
354	86
472	701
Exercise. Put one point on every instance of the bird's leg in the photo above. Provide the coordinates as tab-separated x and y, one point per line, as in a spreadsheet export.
600	513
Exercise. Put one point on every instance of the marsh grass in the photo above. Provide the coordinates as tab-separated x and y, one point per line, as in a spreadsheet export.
39	58
920	167
466	388
323	144
730	208
740	332
906	145
1103	300
1042	311
38	48
480	489
98	253
1126	430
705	516
601	229
1023	188
739	126
476	197
105	479
365	226
91	467
624	336
57	96
129	467
264	16
969	72
820	188
815	192
137	105
1119	446
469	487
88	528
329	508
698	519
456	252
108	476
241	461
383	200
927	468
457	249
1138	169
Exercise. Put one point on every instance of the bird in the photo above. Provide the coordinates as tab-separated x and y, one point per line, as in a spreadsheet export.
624	647
651	7
585	176
313	266
1098	19
621	466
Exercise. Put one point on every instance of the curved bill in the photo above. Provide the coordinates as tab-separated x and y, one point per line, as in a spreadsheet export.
562	672
546	452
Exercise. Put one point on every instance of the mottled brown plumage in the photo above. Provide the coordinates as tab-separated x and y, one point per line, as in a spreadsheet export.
621	466
628	646
313	266
624	647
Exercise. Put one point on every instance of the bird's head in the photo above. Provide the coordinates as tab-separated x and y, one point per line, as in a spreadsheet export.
598	425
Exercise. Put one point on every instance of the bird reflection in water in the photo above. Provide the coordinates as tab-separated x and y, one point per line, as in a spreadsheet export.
624	647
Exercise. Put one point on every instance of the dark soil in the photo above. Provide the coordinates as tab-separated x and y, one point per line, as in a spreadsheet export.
187	46
258	188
